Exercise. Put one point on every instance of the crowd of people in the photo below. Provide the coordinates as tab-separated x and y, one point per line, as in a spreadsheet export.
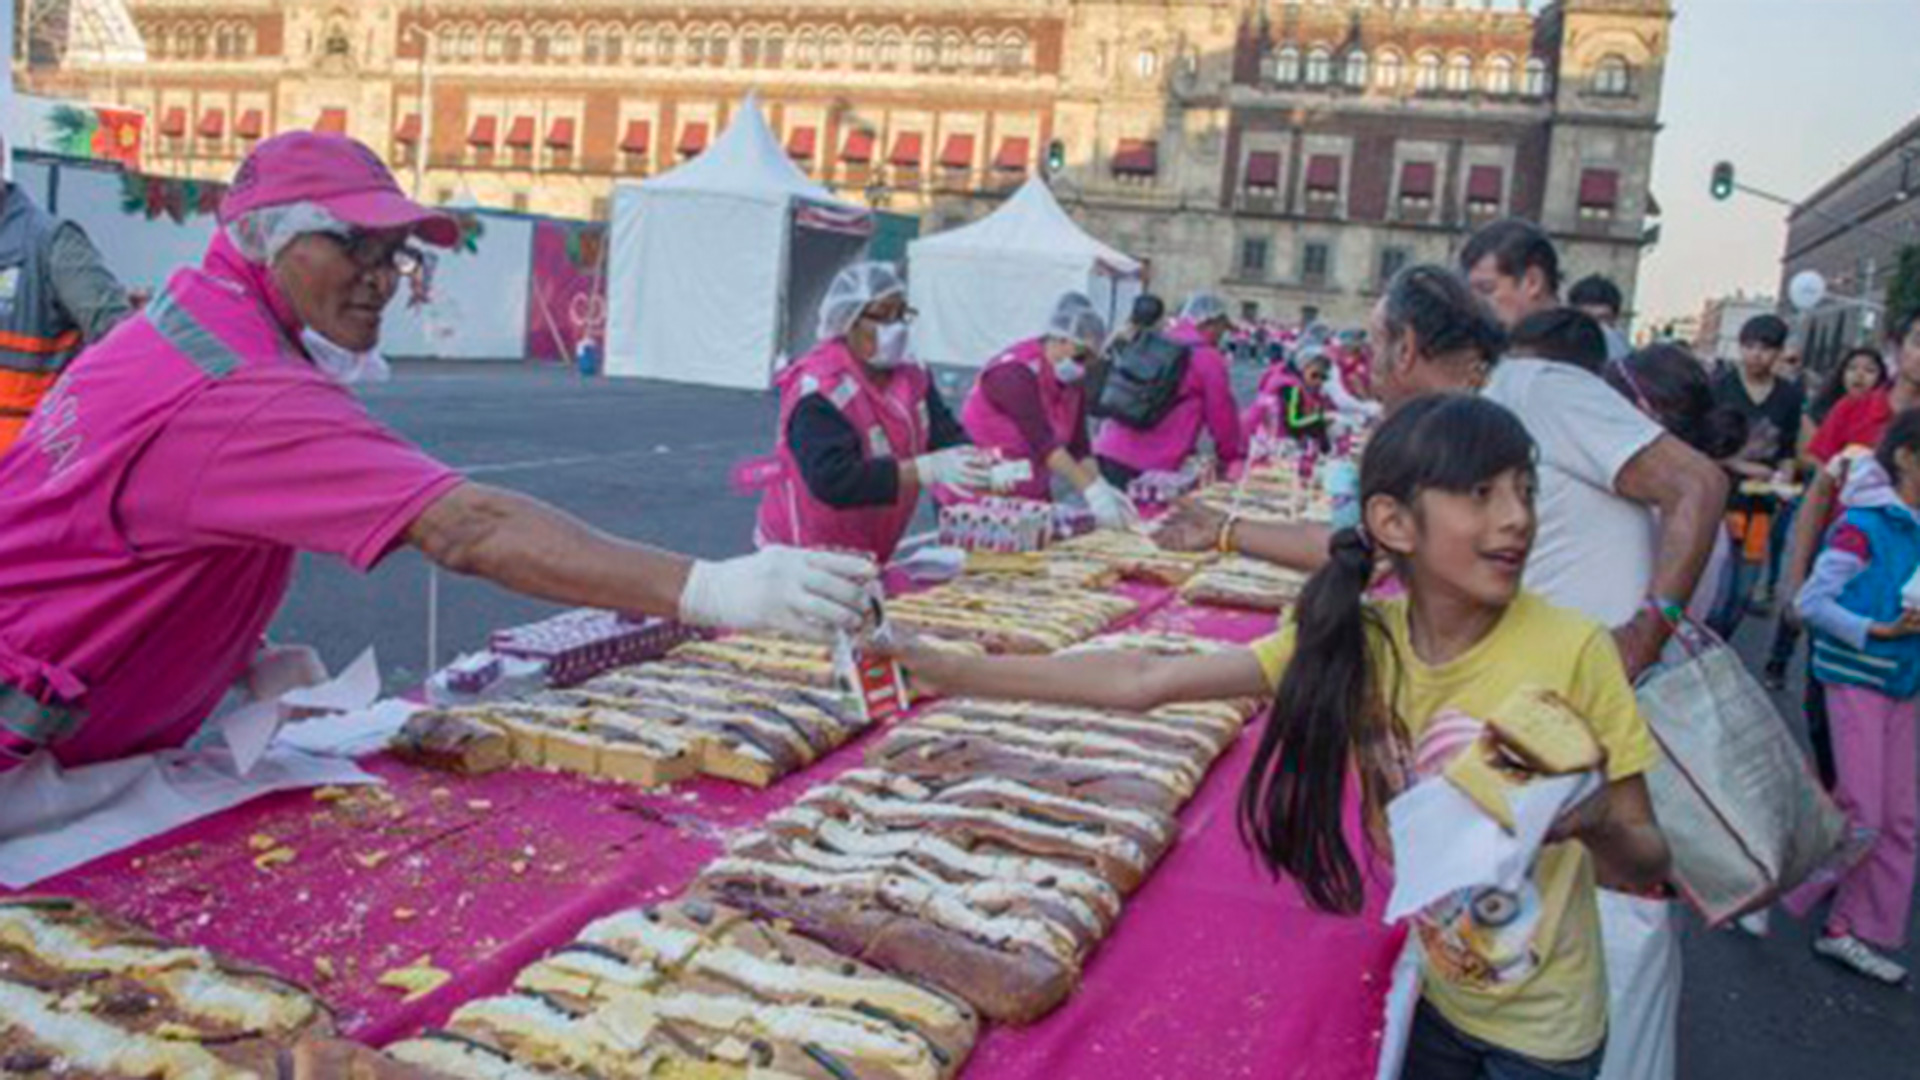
1539	506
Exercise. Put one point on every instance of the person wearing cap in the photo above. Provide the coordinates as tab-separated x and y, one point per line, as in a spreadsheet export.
1292	400
863	429
56	298
1030	404
151	514
1204	401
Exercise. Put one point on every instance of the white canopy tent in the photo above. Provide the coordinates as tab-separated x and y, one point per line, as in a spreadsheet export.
989	284
718	266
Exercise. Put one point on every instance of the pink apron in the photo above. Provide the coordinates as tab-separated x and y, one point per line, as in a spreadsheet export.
892	422
992	429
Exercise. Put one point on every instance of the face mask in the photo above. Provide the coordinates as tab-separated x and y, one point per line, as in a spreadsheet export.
1068	371
341	364
890	346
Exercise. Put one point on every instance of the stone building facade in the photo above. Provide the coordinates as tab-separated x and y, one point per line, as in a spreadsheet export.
1289	154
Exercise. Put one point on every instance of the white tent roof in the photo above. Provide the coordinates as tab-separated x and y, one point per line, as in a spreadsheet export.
746	161
1029	225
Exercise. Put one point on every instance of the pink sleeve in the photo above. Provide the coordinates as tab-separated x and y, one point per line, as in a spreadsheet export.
1221	411
308	468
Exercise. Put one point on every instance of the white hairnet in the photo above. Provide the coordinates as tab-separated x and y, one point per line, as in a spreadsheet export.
261	235
1204	307
852	290
1075	320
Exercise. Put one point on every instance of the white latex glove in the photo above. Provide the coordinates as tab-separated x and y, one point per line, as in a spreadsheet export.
957	466
787	590
280	668
1111	507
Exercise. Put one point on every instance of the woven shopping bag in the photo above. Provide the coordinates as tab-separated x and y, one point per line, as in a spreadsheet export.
1743	814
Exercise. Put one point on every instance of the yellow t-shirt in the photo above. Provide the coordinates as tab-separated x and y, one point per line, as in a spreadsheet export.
1559	1012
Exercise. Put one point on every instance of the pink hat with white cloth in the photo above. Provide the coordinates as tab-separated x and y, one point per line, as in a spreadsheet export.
338	174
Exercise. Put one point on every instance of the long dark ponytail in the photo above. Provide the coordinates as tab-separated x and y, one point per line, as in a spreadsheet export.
1331	710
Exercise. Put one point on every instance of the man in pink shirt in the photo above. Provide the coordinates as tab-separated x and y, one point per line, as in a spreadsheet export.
152	510
1205	401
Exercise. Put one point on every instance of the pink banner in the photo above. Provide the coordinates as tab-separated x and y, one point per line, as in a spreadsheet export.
567	291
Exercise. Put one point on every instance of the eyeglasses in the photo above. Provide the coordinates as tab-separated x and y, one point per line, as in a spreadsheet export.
372	252
904	316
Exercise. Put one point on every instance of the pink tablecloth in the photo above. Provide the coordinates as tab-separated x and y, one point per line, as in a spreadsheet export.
1214	970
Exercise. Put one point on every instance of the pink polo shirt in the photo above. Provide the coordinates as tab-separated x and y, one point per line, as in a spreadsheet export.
151	514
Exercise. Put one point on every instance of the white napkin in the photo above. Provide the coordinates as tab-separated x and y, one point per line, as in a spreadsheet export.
1443	842
54	819
349	735
249	729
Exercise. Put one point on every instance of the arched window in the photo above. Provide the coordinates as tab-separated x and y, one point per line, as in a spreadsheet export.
865	52
540	47
1536	84
1613	77
615	48
1500	76
566	45
833	48
446	42
750	47
1286	66
516	48
925	52
773	48
157	44
985	53
249	44
893	45
1355	74
806	47
646	45
1390	72
1459	73
1016	52
496	48
1319	66
666	50
593	45
695	50
223	42
469	43
1146	64
719	45
1426	72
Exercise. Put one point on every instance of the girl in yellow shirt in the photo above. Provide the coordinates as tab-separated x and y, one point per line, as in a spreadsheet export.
1446	496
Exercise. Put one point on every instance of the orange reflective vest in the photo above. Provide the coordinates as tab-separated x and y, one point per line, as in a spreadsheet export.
37	337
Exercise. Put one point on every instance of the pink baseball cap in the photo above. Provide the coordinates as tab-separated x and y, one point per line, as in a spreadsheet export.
335	172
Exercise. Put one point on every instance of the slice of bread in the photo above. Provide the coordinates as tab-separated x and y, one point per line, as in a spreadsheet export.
1544	733
1483	775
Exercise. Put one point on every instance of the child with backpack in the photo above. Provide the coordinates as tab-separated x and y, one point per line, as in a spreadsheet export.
1866	654
1446	497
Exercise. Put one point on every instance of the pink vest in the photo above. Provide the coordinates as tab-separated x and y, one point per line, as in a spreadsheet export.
893	424
60	659
991	429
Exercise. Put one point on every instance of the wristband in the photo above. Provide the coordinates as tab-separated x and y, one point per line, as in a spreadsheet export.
1670	612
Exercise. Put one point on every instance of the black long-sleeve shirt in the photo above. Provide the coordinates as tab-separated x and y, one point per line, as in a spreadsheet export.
832	456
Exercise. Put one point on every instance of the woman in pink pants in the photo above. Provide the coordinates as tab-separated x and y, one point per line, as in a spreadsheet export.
1866	652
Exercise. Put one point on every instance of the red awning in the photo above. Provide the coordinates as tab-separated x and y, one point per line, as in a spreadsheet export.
520	133
1486	184
1599	188
174	124
560	135
213	123
332	122
638	139
958	153
1014	155
1323	174
409	130
485	132
906	150
1416	180
859	148
800	142
693	139
250	124
1137	157
1263	169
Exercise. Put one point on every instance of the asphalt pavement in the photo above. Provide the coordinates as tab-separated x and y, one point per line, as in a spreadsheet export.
652	462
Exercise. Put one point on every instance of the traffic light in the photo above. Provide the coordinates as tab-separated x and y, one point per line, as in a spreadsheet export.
1723	181
1056	156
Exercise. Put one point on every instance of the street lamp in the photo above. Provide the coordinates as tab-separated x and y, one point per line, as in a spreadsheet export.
429	41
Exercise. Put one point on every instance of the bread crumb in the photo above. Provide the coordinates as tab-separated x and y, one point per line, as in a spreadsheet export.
267	860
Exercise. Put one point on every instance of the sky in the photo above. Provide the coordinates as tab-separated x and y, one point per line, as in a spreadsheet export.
1790	91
